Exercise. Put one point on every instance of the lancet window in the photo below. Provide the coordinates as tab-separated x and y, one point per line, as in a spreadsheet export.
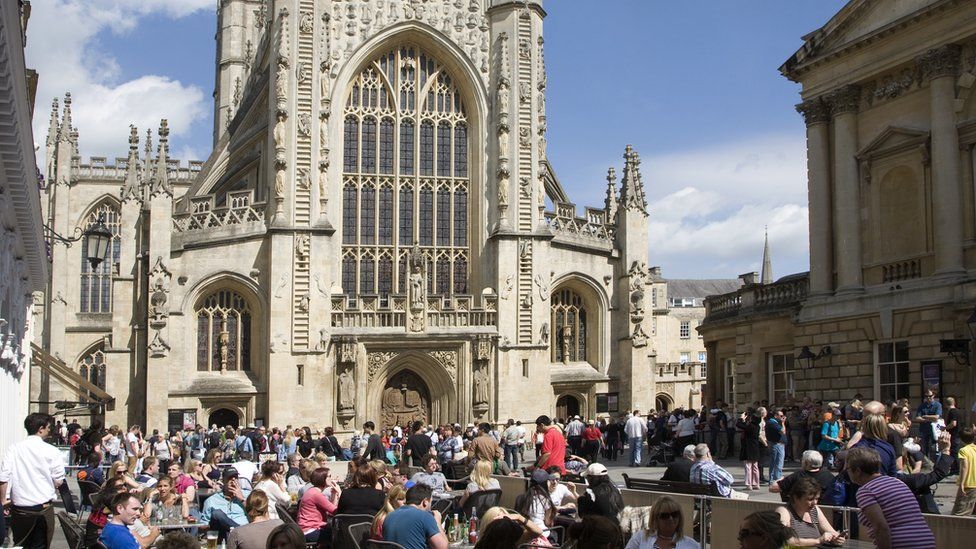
223	332
92	366
405	176
569	327
96	284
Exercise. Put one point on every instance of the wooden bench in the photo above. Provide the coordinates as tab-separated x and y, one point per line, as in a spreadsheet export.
670	486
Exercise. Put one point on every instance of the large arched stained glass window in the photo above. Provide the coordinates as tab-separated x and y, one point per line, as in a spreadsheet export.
96	284
405	175
223	332
568	327
92	366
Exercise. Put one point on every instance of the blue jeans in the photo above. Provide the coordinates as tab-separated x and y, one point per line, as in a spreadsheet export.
777	453
635	450
512	456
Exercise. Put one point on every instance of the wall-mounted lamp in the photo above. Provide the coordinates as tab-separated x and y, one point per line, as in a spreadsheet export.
957	349
807	358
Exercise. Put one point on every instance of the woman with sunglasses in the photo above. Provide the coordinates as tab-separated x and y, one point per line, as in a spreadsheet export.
763	530
665	530
805	518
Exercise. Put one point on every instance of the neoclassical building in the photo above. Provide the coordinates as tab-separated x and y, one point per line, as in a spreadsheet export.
377	235
887	307
23	261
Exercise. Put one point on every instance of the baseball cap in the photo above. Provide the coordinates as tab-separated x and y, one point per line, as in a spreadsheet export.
595	470
541	476
230	473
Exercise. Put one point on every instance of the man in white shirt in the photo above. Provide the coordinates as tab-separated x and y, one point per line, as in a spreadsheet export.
636	430
574	434
247	469
132	446
521	440
30	475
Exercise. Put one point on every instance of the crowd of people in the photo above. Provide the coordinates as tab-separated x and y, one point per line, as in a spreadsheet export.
253	487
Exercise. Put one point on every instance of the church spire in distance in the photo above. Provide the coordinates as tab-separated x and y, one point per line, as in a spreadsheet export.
767	263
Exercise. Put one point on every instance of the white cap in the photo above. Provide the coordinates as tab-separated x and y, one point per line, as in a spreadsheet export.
595	470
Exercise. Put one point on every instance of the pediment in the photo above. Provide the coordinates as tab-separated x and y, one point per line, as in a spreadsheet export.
892	140
856	21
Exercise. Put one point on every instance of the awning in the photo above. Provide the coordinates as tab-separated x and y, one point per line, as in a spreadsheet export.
69	379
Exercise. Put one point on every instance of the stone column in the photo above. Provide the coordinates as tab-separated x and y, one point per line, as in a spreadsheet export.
844	104
939	68
816	114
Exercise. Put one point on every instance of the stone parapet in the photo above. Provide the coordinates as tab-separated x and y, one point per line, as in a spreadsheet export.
779	296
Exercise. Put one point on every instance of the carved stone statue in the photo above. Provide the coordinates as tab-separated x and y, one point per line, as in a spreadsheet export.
503	97
324	80
525	92
347	390
305	124
280	182
567	336
503	189
301	246
305	23
281	84
481	385
416	279
279	134
503	142
544	334
224	342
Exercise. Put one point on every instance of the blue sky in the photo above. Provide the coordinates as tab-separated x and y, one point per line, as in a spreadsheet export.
693	85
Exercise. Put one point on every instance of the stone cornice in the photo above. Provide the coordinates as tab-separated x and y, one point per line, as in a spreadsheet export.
844	100
17	141
939	62
814	111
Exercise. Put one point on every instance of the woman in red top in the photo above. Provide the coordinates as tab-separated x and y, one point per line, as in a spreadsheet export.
592	441
316	508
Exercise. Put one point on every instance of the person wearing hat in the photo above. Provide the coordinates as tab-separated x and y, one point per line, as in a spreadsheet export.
536	503
225	510
592	441
602	496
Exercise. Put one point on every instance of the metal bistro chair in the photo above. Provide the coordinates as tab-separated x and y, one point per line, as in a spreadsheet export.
284	514
376	544
74	534
341	533
87	489
360	533
481	501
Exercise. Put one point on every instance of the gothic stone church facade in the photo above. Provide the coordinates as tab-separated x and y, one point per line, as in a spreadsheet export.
377	235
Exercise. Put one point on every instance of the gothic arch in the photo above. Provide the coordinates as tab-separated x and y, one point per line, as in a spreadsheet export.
467	78
92	359
581	400
597	306
440	384
105	199
258	308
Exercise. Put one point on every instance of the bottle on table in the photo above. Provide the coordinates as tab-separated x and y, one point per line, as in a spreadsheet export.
473	527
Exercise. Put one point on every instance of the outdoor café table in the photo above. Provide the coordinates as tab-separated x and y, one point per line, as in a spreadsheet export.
177	525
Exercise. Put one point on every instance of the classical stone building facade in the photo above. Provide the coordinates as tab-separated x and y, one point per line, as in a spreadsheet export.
377	235
891	127
23	261
679	351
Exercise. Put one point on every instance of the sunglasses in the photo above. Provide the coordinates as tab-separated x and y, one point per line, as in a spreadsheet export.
743	534
674	515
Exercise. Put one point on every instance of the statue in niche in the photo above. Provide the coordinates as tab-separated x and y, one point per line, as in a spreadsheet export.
503	142
544	334
224	342
281	83
301	73
280	183
305	24
279	134
304	179
503	188
324	134
481	385
347	391
524	189
323	179
525	92
524	48
524	137
301	246
503	97
416	279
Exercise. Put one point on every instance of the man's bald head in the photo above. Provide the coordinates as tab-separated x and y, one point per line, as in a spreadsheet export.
874	408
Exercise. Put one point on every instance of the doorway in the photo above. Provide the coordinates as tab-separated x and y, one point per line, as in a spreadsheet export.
222	417
406	399
567	406
663	402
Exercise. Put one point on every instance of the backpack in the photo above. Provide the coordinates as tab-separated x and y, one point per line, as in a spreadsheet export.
82	448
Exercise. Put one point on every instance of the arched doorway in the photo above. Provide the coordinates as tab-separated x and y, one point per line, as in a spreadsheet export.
663	402
406	398
222	417
567	406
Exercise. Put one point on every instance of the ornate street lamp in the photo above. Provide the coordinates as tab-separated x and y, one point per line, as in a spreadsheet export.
98	239
808	359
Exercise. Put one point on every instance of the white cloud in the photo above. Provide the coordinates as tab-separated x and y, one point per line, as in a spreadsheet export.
708	207
62	47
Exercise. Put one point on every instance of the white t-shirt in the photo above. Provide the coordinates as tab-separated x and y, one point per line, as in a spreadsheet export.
112	445
686	427
558	495
132	443
521	431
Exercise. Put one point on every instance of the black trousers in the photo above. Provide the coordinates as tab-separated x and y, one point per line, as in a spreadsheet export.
32	527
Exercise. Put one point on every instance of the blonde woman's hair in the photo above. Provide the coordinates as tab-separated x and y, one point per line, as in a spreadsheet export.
666	504
306	468
192	464
874	427
379	466
289	436
212	457
490	515
396	492
114	469
481	474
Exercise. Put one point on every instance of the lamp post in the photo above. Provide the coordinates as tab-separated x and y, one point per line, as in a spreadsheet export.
98	239
808	358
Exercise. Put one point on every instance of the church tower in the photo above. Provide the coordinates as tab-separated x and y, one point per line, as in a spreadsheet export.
240	24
